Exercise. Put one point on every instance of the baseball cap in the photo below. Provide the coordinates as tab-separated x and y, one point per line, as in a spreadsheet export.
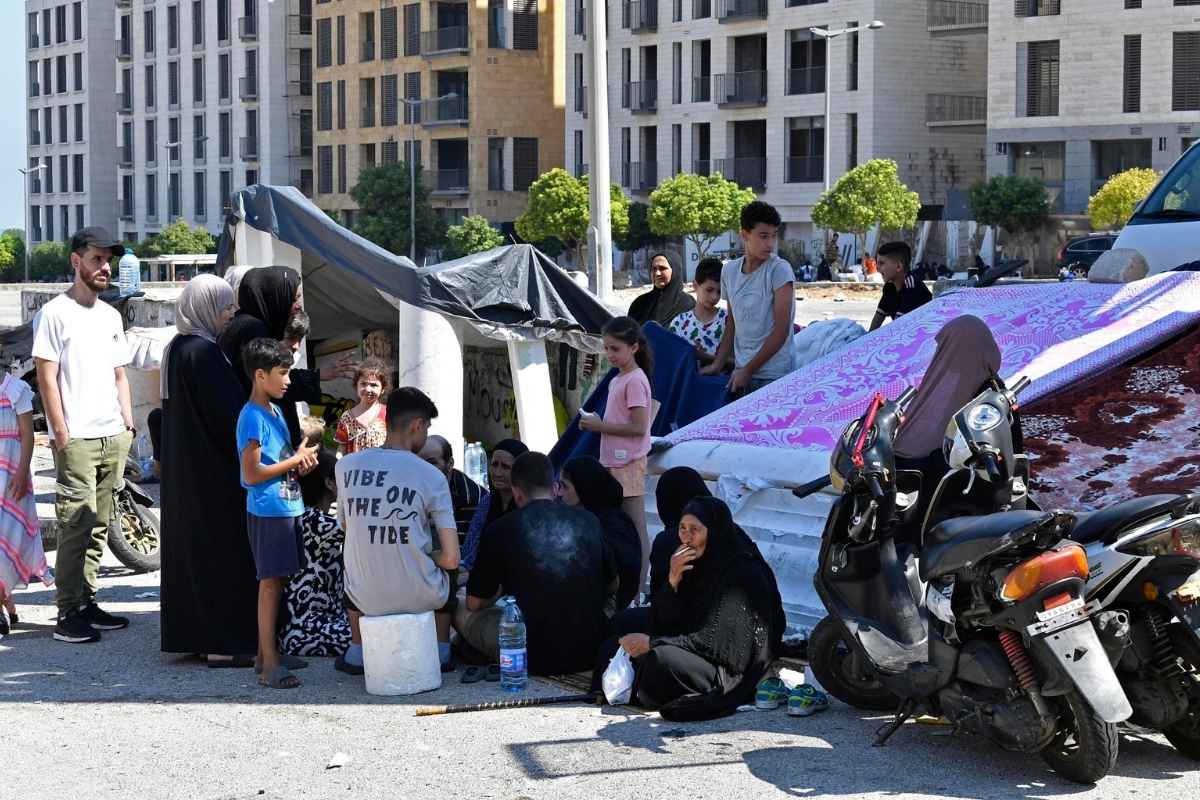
96	236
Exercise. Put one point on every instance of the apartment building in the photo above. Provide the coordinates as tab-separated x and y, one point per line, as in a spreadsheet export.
472	90
211	96
738	87
70	108
1067	100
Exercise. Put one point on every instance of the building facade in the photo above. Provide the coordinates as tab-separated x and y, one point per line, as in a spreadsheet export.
1067	100
738	87
474	89
211	96
70	108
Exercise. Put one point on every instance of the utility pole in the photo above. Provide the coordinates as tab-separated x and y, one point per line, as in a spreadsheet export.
829	35
599	235
414	106
25	181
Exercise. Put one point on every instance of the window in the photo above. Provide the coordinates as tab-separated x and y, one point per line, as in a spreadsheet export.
701	9
60	24
199	139
1039	8
366	156
1042	71
48	124
126	98
79	217
496	164
174	148
50	223
389	99
626	157
1132	95
676	149
251	177
306	70
197	22
48	172
580	167
412	30
65	211
60	71
77	172
677	72
46	27
496	24
64	164
77	20
251	136
388	33
306	133
79	122
341	41
676	10
223	16
174	202
412	91
525	163
47	76
173	84
412	156
852	60
148	30
325	169
35	134
151	89
341	169
701	71
251	90
151	142
325	106
225	136
127	142
1185	71
325	42
341	105
580	100
525	26
62	124
1043	161
366	98
1133	3
34	89
391	152
851	141
199	196
198	80
35	222
151	196
224	77
805	149
172	29
580	18
78	58
225	187
366	35
1111	157
805	63
32	31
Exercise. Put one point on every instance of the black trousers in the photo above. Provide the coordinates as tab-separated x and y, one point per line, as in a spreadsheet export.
662	675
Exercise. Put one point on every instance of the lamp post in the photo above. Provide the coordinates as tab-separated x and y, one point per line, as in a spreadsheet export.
25	179
828	35
413	104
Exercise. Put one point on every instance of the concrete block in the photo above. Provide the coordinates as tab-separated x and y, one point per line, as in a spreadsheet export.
1119	266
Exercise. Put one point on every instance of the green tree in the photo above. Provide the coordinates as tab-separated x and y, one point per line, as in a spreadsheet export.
1113	205
559	208
49	260
1017	205
178	238
382	195
870	194
473	235
15	237
639	235
698	208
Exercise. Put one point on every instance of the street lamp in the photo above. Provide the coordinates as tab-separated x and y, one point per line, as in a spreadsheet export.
25	180
827	35
415	103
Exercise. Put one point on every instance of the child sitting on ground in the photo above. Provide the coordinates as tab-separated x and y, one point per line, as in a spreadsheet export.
365	425
704	325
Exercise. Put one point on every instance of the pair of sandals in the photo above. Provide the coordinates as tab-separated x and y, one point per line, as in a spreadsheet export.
279	678
475	673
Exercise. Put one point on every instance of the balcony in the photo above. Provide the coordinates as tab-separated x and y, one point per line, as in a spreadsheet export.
124	49
702	89
124	3
805	169
1047	8
741	89
640	97
806	80
741	10
446	182
446	41
581	100
643	176
248	28
124	103
640	16
249	148
957	15
944	110
248	88
125	157
748	172
452	111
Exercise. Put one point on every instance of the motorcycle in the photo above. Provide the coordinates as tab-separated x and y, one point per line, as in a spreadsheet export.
984	623
133	530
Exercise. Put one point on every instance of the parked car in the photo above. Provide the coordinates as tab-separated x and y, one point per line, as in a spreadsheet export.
1080	253
1165	228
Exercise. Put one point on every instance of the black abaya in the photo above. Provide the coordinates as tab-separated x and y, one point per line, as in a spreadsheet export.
208	582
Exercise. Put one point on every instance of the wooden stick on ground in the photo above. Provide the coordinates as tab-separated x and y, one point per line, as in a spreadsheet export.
433	711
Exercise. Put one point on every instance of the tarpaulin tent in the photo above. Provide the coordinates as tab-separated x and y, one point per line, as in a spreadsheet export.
508	292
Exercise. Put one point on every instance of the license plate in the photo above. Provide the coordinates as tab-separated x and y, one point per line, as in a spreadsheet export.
1058	611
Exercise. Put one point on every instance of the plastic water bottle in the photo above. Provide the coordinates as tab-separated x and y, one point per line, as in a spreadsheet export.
143	455
514	667
129	274
477	463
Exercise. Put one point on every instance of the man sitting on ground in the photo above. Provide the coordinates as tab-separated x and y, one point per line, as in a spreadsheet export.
465	493
903	290
401	548
553	560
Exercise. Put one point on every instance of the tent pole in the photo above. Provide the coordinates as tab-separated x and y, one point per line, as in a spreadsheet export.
431	358
599	235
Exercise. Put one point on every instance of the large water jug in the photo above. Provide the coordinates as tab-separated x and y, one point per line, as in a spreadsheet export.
129	274
514	666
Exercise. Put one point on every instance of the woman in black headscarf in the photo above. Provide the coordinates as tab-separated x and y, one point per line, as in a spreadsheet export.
676	488
497	502
667	299
586	482
715	623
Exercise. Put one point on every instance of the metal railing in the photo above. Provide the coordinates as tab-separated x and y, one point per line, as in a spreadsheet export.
748	172
702	89
248	148
702	167
957	14
955	108
248	28
442	112
730	10
448	181
640	15
446	40
643	176
805	169
247	88
741	88
1038	8
806	80
124	49
640	97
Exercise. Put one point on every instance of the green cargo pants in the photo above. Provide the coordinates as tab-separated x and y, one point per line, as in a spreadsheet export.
89	471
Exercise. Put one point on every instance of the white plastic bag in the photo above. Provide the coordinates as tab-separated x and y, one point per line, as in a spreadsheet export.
618	679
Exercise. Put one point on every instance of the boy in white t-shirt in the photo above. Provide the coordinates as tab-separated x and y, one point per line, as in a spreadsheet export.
80	350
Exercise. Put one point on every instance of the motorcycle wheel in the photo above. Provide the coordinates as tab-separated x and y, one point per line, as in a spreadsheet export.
829	656
133	534
1185	734
1084	747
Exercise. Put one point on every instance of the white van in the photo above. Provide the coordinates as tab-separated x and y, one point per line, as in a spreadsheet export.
1165	228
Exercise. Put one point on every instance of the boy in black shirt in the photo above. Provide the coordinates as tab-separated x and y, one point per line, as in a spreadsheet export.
902	291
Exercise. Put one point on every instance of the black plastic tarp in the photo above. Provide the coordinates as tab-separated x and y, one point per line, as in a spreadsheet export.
505	293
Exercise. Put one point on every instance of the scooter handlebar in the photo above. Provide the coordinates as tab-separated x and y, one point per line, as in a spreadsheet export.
812	487
990	464
906	397
1021	385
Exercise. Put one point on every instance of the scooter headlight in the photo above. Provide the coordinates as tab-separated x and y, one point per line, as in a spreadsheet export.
983	417
1181	539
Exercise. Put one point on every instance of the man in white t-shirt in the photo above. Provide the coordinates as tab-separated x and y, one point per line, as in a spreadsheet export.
80	349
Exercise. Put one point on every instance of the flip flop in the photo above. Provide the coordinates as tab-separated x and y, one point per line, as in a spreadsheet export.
291	662
280	678
474	674
493	673
236	662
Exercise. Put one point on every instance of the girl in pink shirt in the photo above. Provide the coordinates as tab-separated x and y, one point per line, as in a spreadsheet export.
625	427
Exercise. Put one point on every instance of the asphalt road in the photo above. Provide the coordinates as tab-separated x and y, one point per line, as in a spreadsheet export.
119	720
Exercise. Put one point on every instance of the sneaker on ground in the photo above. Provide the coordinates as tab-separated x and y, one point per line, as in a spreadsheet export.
342	665
804	701
101	620
770	695
73	628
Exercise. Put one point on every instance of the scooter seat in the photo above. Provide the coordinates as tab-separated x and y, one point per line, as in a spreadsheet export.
1095	525
963	541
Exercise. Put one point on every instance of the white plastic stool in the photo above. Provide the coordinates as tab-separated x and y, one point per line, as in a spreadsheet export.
400	654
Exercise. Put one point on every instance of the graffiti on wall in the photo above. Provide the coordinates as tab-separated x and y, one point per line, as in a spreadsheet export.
489	402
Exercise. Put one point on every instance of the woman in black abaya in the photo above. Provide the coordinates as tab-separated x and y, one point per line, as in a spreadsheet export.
666	299
588	483
209	586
